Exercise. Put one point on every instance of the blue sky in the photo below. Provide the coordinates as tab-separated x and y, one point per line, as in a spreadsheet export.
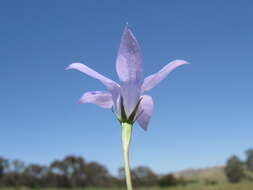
203	111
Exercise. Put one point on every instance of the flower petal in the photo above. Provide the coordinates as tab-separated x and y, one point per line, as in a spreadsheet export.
152	80
131	93
128	63
102	99
145	111
129	69
88	71
112	86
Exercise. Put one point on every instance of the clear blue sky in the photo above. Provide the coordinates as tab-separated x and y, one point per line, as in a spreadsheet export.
203	111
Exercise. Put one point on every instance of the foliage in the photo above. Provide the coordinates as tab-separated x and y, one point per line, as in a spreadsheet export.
144	177
168	180
75	172
70	172
249	159
234	169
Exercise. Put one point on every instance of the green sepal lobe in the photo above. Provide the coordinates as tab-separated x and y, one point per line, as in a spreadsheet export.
122	111
134	112
123	115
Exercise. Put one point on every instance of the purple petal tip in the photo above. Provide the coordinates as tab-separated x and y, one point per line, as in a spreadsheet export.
181	62
72	66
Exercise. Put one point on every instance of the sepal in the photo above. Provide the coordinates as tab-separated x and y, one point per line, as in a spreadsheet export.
123	116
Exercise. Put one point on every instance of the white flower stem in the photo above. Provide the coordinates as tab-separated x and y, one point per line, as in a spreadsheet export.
126	139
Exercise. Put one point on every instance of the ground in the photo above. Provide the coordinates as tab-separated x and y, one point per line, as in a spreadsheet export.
240	186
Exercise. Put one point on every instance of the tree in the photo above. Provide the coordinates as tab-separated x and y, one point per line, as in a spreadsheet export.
17	166
57	175
4	166
234	169
168	180
97	174
13	176
144	176
249	159
69	172
34	175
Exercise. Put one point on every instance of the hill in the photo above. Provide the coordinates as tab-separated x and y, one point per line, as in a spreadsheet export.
215	174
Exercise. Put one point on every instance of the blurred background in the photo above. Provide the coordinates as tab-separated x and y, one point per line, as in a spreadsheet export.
202	113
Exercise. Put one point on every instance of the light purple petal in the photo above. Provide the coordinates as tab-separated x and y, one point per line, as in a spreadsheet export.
145	111
102	99
129	69
88	71
152	80
131	93
128	63
112	86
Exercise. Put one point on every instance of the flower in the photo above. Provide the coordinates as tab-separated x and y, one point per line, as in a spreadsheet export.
127	99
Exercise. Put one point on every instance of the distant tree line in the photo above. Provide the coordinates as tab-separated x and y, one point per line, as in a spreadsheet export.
73	171
70	172
237	170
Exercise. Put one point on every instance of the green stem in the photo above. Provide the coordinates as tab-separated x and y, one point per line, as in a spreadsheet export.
126	139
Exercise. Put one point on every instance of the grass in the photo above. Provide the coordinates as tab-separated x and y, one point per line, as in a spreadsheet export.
240	186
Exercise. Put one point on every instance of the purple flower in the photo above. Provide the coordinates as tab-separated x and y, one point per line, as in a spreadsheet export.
127	99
